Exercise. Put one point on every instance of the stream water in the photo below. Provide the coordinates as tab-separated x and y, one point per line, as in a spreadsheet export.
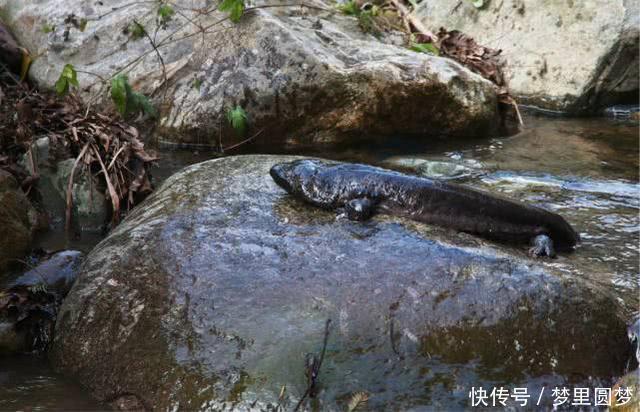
584	169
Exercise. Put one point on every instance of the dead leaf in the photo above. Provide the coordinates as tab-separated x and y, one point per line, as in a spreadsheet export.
357	399
26	64
483	60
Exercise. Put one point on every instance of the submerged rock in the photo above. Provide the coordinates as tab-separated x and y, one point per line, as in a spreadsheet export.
211	293
299	73
567	56
18	221
29	304
436	169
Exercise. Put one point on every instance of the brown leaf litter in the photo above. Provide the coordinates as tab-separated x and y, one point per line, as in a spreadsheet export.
104	145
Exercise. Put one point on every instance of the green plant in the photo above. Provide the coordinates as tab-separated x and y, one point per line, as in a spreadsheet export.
128	101
235	8
365	17
366	21
237	118
47	28
350	8
428	48
67	78
82	24
136	30
165	12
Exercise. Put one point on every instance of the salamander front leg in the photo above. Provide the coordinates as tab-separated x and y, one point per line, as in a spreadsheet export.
359	209
542	246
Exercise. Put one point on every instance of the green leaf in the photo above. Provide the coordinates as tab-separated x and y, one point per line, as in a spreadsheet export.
143	104
165	12
235	8
137	30
128	101
82	25
67	78
477	3
428	48
47	28
119	90
237	118
350	8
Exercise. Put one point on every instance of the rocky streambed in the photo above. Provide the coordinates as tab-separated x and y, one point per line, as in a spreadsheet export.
212	294
222	292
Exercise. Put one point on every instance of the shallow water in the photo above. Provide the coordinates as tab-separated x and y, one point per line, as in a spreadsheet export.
28	384
584	169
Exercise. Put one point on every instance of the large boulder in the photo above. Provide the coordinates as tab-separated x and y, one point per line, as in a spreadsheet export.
211	292
18	221
569	56
304	73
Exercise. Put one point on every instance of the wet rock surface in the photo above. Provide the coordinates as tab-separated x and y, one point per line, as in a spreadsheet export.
213	291
29	303
309	73
567	56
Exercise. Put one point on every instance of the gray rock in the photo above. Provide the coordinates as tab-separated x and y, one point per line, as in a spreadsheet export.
210	293
57	274
11	341
302	74
10	53
40	149
90	208
29	303
18	221
568	56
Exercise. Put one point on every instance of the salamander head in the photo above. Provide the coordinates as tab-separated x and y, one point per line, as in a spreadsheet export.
291	176
563	235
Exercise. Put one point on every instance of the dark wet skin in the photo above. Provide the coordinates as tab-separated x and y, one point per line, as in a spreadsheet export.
361	191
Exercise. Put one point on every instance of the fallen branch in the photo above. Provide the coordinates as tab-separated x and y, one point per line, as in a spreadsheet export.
222	150
70	187
414	21
115	200
115	157
312	366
